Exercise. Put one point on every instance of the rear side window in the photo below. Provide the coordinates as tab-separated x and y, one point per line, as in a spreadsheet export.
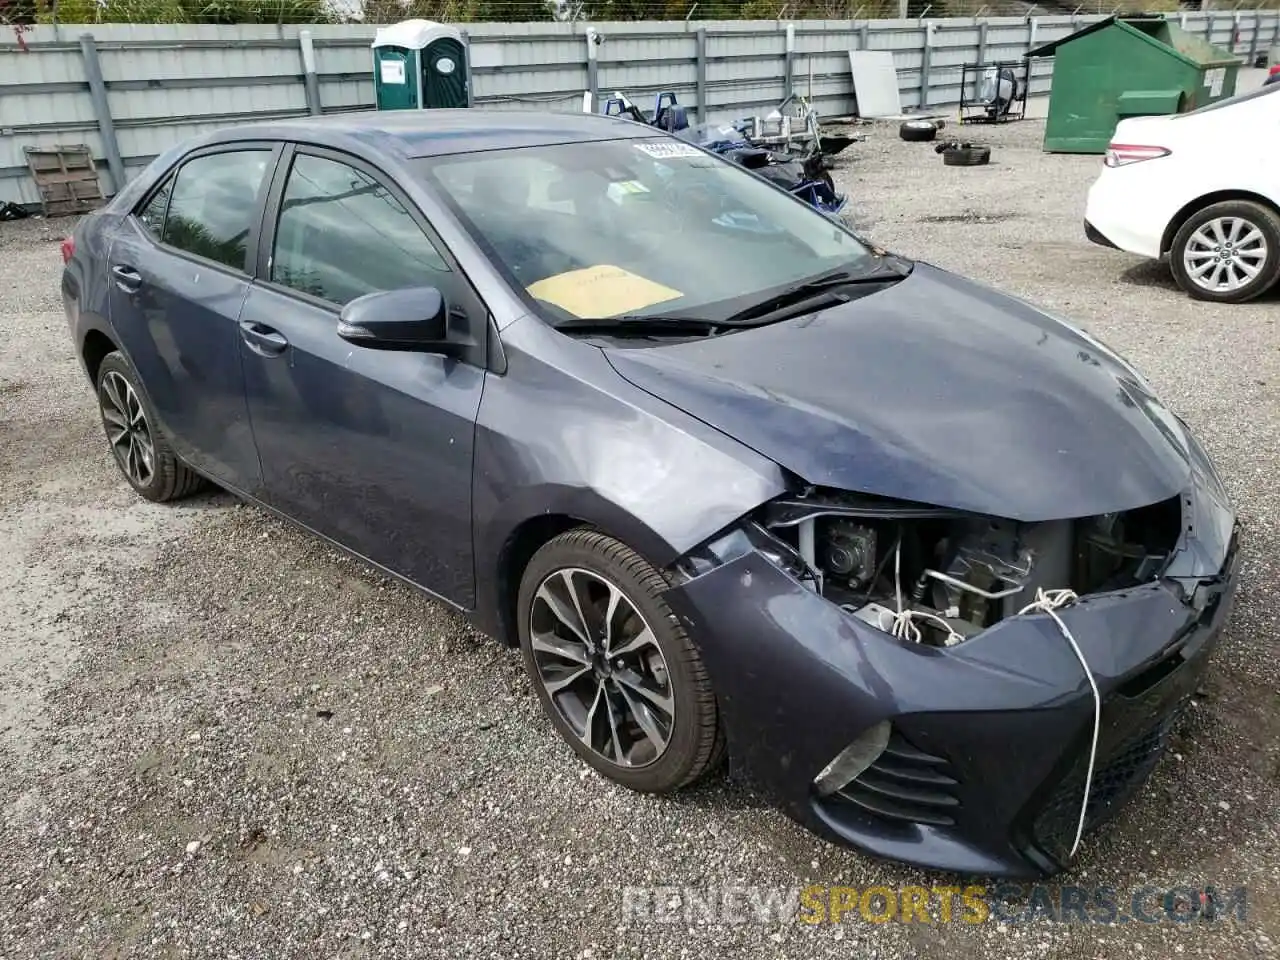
341	234
212	205
152	215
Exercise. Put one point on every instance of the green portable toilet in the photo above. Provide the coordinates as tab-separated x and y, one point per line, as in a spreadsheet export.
1128	67
418	64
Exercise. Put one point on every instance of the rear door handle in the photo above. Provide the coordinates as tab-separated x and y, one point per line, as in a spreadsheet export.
127	278
262	339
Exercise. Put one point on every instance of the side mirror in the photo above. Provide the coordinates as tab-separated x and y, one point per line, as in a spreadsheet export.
412	319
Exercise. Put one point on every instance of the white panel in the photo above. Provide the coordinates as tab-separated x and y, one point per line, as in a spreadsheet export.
875	83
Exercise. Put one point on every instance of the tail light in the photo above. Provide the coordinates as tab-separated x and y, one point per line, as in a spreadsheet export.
1123	154
68	249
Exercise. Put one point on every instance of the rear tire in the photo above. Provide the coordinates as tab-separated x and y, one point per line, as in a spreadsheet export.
609	708
137	444
1216	249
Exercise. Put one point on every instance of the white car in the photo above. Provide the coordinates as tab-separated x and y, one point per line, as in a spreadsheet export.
1203	189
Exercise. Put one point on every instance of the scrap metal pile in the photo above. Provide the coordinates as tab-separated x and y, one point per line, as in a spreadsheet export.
786	146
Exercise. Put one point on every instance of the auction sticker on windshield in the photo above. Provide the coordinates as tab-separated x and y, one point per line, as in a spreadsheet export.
669	151
601	291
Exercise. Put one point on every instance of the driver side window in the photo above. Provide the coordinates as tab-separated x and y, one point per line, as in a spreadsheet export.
341	234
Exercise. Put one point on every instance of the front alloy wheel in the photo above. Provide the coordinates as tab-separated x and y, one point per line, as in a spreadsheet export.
601	667
615	672
1229	252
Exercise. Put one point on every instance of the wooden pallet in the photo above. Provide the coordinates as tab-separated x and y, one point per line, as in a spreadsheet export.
66	177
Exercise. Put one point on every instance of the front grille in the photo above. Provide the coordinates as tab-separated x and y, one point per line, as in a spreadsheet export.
1116	777
906	784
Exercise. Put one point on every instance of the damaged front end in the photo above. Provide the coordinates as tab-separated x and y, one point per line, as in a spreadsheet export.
957	744
870	556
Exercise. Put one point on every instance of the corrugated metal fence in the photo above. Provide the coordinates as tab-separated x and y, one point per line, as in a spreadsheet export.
162	83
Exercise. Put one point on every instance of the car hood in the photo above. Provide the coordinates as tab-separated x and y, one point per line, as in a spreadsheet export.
936	390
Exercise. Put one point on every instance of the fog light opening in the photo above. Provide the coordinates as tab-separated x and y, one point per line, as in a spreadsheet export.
853	759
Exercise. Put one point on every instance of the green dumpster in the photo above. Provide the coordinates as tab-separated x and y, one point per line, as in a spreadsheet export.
419	64
1128	67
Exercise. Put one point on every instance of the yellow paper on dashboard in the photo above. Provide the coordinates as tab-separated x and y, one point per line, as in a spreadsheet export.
601	291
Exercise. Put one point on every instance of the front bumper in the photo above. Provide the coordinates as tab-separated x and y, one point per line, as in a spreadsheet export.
984	772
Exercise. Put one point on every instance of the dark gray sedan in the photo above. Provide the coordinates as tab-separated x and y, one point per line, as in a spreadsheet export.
934	568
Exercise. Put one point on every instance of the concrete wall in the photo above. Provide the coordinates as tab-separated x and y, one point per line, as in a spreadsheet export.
162	83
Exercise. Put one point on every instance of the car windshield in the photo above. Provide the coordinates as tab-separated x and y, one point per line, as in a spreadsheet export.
640	228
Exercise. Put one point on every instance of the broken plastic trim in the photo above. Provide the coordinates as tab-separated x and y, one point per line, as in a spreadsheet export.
790	511
744	537
755	530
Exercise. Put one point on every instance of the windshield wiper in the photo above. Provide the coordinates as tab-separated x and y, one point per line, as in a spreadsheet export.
815	294
823	286
643	325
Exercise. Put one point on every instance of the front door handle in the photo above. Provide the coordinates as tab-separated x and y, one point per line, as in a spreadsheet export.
127	278
262	339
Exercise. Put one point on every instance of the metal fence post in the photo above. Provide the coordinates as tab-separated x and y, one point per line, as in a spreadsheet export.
926	63
791	53
593	69
466	72
701	79
102	110
982	41
864	36
1253	38
309	80
1208	28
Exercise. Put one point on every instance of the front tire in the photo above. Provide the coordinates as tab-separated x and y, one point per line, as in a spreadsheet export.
138	445
614	669
1228	252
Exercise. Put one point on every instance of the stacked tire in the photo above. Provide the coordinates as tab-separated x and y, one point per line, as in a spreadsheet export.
964	154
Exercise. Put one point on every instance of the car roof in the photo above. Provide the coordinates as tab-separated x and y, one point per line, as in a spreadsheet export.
426	133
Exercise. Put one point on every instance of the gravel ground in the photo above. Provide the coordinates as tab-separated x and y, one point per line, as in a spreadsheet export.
221	738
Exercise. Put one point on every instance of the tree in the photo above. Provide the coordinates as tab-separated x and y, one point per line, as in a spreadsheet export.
17	12
186	11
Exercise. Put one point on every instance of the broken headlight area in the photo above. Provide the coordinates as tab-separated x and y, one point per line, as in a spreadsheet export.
959	572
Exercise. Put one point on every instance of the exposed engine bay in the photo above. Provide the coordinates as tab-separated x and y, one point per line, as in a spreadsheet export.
960	573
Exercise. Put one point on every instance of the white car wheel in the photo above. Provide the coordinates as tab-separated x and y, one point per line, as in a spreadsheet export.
1228	252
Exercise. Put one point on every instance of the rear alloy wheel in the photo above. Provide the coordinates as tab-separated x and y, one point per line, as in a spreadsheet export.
1228	252
613	667
139	447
